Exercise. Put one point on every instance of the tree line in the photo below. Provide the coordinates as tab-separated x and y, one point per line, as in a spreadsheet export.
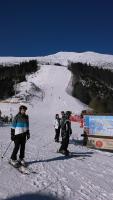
93	86
10	74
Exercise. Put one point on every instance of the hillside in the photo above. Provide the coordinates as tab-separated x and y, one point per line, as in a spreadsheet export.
93	86
87	174
89	70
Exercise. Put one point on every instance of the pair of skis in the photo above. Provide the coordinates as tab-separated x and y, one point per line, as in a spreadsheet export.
21	168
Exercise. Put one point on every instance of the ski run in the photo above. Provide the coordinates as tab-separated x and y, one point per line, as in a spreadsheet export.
86	174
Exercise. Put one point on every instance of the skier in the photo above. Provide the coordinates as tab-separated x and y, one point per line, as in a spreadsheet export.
67	132
85	138
57	127
62	121
19	134
1	119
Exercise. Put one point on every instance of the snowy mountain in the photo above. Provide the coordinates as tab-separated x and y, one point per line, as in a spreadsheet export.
85	175
63	58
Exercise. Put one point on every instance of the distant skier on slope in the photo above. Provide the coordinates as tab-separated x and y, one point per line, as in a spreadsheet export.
19	134
67	132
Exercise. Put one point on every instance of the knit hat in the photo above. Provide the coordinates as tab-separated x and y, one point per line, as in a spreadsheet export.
22	107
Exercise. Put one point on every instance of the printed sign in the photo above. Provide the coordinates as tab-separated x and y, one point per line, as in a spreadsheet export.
99	125
100	143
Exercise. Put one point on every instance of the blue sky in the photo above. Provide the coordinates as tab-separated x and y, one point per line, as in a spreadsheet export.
42	27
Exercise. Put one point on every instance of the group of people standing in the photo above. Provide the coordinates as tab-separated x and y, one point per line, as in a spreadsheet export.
20	133
63	126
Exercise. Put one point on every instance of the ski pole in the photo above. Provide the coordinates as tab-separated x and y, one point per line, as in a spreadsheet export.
6	150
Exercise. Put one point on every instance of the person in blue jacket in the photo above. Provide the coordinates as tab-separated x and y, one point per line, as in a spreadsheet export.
19	134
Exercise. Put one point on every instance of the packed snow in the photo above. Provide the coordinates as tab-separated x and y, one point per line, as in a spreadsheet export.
86	174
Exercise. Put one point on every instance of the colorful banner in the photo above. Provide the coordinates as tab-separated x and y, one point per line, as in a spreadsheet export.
99	125
75	118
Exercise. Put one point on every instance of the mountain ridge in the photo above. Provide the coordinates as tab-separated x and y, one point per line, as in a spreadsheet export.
64	58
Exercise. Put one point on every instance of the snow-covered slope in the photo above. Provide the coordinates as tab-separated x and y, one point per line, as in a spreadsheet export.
63	58
92	58
86	175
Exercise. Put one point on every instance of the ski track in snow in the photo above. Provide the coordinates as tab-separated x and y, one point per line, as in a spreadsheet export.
84	175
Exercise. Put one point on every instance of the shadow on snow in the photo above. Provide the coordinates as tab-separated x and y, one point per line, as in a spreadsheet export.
63	157
35	196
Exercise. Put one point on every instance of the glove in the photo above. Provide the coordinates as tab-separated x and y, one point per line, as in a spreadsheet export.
70	132
12	134
28	135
